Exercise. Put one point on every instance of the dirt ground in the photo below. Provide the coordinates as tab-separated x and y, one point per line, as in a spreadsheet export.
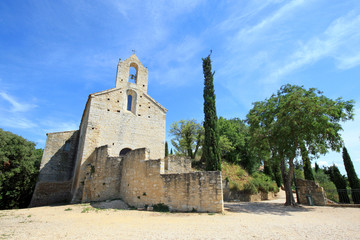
259	220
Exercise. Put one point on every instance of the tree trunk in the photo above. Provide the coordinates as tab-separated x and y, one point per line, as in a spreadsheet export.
287	180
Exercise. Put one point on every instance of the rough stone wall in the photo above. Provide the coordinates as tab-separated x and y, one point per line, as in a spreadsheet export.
310	188
177	164
103	175
123	74
56	169
143	182
199	191
76	188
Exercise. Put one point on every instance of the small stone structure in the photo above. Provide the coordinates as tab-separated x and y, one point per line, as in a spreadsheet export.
118	153
310	192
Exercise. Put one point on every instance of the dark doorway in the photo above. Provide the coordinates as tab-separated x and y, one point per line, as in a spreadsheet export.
124	151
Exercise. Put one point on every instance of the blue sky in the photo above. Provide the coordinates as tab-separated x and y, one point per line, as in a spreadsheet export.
53	54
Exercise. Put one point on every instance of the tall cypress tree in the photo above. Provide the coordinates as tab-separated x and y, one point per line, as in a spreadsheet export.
308	173
211	152
340	183
316	167
166	149
352	177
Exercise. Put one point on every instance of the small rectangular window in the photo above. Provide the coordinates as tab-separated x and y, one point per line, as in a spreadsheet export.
129	103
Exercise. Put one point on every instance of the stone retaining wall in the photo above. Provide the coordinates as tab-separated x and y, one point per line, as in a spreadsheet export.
144	182
308	189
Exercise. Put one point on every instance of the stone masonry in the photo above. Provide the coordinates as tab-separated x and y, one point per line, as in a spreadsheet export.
122	129
310	192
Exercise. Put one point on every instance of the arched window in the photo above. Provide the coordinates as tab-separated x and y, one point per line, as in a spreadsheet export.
124	151
131	101
133	72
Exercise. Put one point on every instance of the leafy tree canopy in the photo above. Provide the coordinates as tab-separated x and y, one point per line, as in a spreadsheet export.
234	141
19	168
296	117
188	136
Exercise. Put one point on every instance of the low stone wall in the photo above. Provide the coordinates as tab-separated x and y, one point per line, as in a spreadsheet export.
48	193
196	191
143	183
177	164
308	189
102	177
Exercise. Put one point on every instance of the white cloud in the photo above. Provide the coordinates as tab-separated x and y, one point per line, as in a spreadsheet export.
339	41
16	105
243	14
283	12
255	32
52	125
16	122
322	163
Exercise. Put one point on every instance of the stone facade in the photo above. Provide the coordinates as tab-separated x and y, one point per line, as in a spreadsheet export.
147	182
56	169
98	161
310	192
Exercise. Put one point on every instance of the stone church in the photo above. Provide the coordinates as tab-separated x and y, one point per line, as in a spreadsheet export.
118	153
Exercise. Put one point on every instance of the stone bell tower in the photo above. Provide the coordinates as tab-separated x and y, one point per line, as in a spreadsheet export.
132	74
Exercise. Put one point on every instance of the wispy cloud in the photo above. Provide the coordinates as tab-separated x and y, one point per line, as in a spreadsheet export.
281	13
16	122
337	42
17	106
53	125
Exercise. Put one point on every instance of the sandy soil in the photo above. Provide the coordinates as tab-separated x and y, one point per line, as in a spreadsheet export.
261	220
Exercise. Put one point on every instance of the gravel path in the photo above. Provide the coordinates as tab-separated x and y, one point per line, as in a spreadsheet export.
259	220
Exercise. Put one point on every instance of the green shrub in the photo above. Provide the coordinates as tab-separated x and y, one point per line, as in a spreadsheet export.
263	183
329	187
161	207
250	188
233	186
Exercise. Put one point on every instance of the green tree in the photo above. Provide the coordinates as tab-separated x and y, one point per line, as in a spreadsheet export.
19	168
316	167
339	181
188	137
171	152
234	144
308	173
294	117
329	187
211	153
166	149
352	177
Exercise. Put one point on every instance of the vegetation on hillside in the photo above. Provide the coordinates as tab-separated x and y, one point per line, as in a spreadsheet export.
239	180
19	168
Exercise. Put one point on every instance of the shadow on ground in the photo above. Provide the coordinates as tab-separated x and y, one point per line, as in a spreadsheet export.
110	204
263	208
